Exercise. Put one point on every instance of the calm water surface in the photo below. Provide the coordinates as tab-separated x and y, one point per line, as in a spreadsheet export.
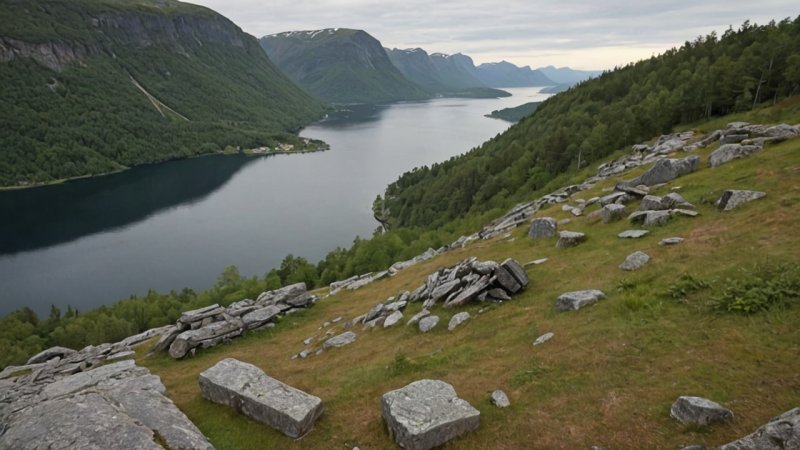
178	224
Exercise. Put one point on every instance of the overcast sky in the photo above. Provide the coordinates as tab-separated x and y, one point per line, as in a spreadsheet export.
579	34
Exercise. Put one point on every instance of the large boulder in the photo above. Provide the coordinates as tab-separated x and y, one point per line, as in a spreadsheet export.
543	228
569	239
699	411
780	433
207	336
665	170
728	152
50	353
515	268
426	414
573	301
733	198
247	389
612	212
295	295
259	317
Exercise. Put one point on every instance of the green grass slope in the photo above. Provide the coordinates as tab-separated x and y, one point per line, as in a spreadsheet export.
72	107
340	66
613	369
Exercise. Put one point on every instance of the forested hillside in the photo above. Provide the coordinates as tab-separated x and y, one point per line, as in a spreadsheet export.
96	86
712	75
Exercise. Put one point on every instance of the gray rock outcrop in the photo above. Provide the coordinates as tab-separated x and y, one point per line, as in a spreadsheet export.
612	212
780	433
634	261
699	411
732	198
573	301
247	389
543	228
426	414
50	353
665	170
728	152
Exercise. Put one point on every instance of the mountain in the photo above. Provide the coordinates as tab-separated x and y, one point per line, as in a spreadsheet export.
565	75
340	66
504	74
710	76
450	75
94	86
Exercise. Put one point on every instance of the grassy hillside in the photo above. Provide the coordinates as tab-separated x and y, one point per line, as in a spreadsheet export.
96	86
340	66
711	76
611	372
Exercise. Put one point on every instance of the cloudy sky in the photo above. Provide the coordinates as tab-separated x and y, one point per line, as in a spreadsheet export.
579	34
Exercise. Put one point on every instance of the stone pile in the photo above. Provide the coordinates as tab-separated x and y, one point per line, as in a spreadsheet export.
72	400
212	325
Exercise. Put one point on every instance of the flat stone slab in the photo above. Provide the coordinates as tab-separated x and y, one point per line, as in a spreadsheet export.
699	411
457	320
249	390
50	353
393	319
348	337
573	301
671	241
635	261
632	234
426	414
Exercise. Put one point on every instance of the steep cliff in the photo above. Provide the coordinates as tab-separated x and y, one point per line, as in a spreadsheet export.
340	65
97	86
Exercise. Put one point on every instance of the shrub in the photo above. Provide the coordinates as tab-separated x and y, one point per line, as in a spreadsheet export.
759	289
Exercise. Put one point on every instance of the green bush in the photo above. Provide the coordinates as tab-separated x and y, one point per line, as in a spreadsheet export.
762	288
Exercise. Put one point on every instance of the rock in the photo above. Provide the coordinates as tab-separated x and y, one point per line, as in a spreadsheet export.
197	315
418	316
675	200
666	170
611	198
50	353
635	261
542	228
654	218
543	338
166	339
727	153
348	337
121	355
507	281
375	312
535	262
732	198
500	399
671	241
443	290
573	301
393	319
305	353
259	317
426	414
206	336
457	320
469	293
515	269
427	323
632	234
398	305
569	239
699	411
247	389
612	212
498	294
650	203
780	433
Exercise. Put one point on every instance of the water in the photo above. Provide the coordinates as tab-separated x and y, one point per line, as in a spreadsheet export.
179	224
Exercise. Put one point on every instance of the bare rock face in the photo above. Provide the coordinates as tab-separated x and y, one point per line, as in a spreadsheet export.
249	390
573	301
780	433
699	411
426	414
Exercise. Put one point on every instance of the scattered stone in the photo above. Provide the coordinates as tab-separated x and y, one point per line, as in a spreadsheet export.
308	341
542	228
457	320
500	399
535	262
671	241
573	301
426	414
427	323
612	212
727	153
650	203
305	353
393	319
569	239
635	261
632	234
666	170
247	389
780	433
418	316
348	337
732	198
543	338
699	411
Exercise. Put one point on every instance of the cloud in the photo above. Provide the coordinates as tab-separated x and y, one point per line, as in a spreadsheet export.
581	34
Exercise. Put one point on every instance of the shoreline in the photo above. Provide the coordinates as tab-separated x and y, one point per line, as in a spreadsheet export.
320	147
